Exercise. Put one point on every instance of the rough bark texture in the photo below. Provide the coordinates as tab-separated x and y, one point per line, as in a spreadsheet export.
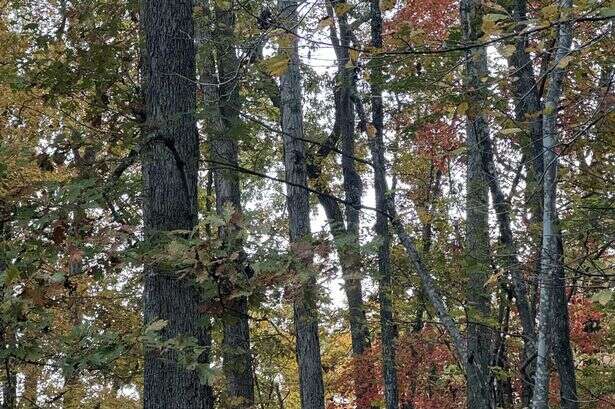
551	257
304	304
170	164
519	287
237	359
347	233
560	336
382	224
527	108
479	337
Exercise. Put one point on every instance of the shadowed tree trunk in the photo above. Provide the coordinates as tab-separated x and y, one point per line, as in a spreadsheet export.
170	158
346	233
223	105
479	336
382	224
551	255
306	294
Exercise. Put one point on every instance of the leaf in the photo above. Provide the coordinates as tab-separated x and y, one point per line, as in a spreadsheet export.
563	63
342	8
371	130
325	22
386	5
607	12
463	108
510	131
354	55
489	27
156	326
603	297
495	17
550	12
277	65
507	50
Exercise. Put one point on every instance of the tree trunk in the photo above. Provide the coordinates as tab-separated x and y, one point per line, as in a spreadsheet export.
382	224
170	158
551	261
348	233
237	358
527	107
560	335
305	297
477	261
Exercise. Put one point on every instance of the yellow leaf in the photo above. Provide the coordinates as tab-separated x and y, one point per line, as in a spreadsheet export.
371	130
563	63
276	66
507	50
550	12
386	5
325	22
342	8
354	55
463	108
489	27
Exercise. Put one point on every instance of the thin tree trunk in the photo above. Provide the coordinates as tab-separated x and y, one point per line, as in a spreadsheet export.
477	261
551	262
344	128
237	359
560	339
305	299
426	241
382	224
9	388
170	160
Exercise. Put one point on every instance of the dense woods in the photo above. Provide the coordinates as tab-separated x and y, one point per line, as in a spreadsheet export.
400	204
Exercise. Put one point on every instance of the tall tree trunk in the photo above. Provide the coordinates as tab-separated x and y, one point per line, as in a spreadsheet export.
305	299
479	336
527	109
344	129
382	224
426	240
9	385
560	335
237	358
170	159
551	257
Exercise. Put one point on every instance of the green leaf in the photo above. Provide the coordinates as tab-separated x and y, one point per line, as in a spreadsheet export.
495	17
157	325
277	65
603	297
607	12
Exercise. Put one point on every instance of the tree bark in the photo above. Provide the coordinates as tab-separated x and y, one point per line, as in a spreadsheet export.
551	257
527	113
479	336
347	233
305	298
382	224
170	160
223	106
560	339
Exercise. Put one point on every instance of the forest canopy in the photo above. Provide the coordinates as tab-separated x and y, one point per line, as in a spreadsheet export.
284	204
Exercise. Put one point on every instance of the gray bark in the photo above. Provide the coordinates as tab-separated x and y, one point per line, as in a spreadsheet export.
382	224
170	164
551	261
527	107
305	299
224	105
479	336
560	341
347	233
